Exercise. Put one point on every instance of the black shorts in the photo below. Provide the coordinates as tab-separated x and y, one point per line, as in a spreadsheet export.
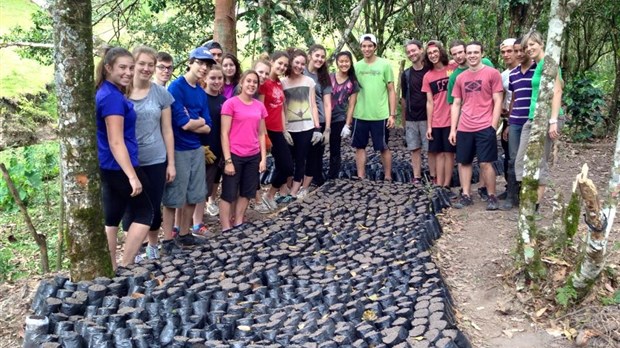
440	142
378	133
213	172
482	143
244	182
116	195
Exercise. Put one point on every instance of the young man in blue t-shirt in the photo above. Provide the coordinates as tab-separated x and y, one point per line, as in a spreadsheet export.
190	119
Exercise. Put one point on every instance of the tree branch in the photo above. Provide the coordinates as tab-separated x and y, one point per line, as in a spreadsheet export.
27	44
355	13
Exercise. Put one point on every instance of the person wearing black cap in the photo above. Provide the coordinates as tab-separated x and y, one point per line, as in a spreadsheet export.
190	119
216	50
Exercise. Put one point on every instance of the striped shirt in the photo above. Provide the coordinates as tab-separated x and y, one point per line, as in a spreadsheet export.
520	84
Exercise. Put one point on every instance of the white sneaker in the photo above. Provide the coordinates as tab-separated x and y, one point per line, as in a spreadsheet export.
262	208
302	193
213	209
271	203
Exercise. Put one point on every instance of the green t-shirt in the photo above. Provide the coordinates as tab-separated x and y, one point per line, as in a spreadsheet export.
457	72
372	100
536	88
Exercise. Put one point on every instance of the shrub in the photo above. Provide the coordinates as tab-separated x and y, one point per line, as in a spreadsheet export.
584	104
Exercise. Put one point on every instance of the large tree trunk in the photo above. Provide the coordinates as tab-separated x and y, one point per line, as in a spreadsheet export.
224	25
86	242
266	30
528	232
600	220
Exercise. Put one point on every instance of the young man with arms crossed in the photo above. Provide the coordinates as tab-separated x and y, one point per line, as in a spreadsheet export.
435	85
375	108
164	67
457	51
413	108
476	110
190	119
506	49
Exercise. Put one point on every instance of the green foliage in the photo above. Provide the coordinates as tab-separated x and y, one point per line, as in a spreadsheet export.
40	31
34	170
611	301
584	104
565	295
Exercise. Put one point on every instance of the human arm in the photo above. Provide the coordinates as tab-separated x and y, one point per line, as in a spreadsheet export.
392	104
556	104
497	109
313	109
262	131
116	140
455	111
327	109
429	116
229	168
166	131
351	109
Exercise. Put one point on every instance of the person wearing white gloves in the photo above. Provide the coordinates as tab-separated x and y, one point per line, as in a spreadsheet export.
302	129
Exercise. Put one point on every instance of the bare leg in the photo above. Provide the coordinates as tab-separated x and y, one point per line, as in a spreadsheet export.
177	217
111	232
241	206
168	222
416	163
489	176
439	159
448	168
186	219
199	212
307	181
433	168
386	160
541	192
135	236
153	237
225	215
465	173
360	162
295	188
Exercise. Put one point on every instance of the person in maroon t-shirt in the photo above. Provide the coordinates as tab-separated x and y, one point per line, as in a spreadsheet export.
478	94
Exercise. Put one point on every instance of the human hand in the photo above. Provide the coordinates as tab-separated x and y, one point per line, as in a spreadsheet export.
229	169
288	138
326	134
505	133
171	173
554	133
452	138
209	155
429	133
136	186
391	122
262	166
346	131
316	137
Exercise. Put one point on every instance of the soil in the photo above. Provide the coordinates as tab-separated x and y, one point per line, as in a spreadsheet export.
476	256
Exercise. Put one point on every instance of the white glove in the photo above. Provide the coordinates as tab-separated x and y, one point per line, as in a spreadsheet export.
326	133
346	131
316	137
288	137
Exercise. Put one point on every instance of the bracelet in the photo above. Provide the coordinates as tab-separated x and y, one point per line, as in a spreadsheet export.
551	121
228	161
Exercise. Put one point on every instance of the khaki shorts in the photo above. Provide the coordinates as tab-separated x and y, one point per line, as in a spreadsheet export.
415	135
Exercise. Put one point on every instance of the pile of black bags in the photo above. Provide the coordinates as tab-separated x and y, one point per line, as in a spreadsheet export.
347	267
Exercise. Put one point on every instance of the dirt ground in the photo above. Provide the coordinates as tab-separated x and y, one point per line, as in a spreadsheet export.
476	257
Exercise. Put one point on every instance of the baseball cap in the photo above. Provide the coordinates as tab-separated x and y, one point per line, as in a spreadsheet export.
368	37
212	44
202	53
507	42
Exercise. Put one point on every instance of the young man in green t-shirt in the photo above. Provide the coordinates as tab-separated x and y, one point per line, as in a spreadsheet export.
375	108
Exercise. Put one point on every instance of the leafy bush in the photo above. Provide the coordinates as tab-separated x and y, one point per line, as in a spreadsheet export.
584	102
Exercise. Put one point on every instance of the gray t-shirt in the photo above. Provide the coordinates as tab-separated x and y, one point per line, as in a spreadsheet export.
320	91
151	147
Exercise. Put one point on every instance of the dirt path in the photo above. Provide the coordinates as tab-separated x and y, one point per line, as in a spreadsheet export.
476	256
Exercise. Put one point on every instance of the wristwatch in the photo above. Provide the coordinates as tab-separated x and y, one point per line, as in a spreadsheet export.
553	121
228	161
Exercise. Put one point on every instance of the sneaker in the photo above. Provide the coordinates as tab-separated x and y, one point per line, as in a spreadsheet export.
201	231
170	247
138	258
271	203
502	196
492	203
213	209
285	199
451	195
175	232
262	208
152	252
463	202
417	182
484	195
190	240
302	194
506	205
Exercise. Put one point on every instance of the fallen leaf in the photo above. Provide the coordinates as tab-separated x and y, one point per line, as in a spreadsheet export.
609	288
475	326
541	312
555	332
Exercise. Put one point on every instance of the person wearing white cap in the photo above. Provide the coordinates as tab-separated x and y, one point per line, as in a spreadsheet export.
190	119
375	108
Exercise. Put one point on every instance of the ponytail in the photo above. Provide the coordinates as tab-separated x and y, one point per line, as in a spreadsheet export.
109	57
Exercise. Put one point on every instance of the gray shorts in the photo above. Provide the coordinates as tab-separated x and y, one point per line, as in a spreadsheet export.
189	186
415	135
543	176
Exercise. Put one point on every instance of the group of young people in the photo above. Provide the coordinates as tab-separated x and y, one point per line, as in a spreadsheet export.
454	111
171	146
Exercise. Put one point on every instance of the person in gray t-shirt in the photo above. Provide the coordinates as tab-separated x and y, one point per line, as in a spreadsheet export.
154	134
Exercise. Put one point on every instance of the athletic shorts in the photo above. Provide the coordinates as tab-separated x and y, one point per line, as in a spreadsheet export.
189	186
440	142
376	129
482	143
245	181
415	135
116	196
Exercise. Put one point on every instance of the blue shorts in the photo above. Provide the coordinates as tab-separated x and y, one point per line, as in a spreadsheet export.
378	133
482	143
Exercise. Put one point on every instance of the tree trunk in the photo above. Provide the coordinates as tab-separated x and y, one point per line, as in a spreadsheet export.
528	232
224	25
266	30
599	221
86	242
355	14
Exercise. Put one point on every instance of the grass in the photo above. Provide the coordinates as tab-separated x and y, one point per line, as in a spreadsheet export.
19	75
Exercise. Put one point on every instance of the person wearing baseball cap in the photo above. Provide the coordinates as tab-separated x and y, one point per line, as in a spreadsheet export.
375	108
190	119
